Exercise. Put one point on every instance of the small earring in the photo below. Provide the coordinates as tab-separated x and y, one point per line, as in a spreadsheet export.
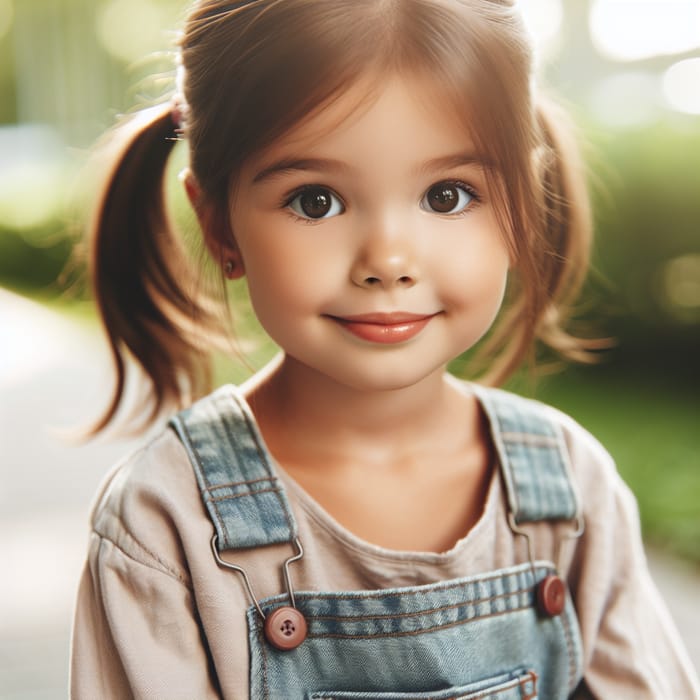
229	268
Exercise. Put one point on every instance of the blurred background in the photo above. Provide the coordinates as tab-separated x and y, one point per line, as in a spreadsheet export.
629	70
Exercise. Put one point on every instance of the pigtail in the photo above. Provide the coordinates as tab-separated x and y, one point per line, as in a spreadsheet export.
552	260
143	282
567	232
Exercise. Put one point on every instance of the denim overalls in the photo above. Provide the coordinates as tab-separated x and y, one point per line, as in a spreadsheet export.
493	635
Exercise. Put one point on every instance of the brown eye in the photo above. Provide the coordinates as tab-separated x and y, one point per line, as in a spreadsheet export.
316	203
447	198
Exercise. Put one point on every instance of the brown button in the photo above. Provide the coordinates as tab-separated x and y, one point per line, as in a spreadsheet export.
285	628
551	595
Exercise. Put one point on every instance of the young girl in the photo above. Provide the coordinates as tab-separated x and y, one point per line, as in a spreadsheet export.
353	522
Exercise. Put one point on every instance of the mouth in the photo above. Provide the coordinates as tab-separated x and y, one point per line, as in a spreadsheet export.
385	328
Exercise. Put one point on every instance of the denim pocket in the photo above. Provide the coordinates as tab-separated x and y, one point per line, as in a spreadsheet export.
520	685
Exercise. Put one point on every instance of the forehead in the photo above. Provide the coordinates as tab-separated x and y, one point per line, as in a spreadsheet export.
399	109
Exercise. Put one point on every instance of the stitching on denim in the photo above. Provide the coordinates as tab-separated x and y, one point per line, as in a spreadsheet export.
497	433
427	611
522	681
531	439
263	456
263	648
569	647
195	453
486	693
219	524
447	586
232	484
503	438
413	633
232	497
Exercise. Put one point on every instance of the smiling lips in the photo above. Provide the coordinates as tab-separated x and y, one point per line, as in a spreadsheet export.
384	328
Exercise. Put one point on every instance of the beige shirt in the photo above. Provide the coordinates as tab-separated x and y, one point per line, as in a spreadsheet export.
157	618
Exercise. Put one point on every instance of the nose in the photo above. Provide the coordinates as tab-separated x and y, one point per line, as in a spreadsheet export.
385	261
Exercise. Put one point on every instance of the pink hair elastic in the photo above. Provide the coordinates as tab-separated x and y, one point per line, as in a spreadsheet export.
177	113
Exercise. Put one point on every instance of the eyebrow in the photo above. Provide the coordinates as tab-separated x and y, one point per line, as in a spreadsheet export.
286	166
455	161
292	165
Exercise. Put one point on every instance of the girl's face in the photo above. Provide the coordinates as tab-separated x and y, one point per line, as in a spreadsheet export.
369	240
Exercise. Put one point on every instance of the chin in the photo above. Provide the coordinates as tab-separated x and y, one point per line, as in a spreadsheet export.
381	379
388	369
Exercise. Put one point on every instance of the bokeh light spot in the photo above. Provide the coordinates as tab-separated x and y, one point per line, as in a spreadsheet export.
630	30
680	286
628	100
131	29
30	195
681	86
32	177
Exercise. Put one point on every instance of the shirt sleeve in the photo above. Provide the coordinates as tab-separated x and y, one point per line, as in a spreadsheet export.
632	649
136	632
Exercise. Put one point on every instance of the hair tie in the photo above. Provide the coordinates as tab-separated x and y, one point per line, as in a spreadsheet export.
178	113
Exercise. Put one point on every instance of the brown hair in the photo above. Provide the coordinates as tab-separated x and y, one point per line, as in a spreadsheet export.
251	71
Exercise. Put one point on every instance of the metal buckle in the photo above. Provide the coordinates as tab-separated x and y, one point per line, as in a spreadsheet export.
550	592
573	535
246	580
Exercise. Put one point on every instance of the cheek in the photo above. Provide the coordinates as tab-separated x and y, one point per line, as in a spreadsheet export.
296	272
476	271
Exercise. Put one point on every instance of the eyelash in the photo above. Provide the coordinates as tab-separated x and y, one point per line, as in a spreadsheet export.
291	196
471	191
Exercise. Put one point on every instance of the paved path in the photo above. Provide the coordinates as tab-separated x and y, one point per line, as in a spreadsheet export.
54	373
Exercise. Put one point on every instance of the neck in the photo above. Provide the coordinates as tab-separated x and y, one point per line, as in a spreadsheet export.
306	416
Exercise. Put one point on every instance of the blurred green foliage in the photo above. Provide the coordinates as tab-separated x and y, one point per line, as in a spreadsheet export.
32	261
647	206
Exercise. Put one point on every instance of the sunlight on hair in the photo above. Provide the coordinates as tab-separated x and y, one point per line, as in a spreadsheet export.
131	29
681	85
543	19
630	30
7	12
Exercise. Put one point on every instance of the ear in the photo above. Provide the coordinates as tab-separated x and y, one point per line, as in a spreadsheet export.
217	232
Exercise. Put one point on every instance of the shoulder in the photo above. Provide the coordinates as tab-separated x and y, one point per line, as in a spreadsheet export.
591	466
148	504
538	417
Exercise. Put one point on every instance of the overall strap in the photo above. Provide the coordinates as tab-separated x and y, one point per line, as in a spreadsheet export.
533	455
243	496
